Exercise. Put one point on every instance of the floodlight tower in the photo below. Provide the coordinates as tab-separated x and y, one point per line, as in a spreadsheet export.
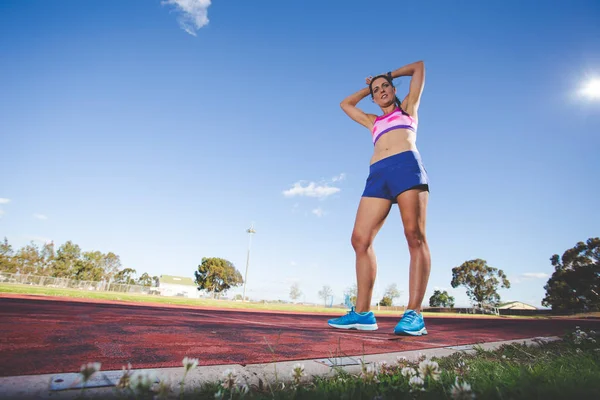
250	232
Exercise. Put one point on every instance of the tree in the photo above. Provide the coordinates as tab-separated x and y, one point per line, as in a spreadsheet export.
481	281
389	295
111	264
90	267
217	275
325	293
351	293
65	259
145	280
7	263
441	299
126	276
28	259
48	255
295	291
575	283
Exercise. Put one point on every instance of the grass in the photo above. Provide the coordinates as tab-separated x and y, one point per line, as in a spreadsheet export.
569	368
226	304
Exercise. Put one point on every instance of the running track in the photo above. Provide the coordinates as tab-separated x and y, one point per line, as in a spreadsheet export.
44	335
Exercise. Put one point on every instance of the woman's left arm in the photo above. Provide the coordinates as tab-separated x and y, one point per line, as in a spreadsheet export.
416	71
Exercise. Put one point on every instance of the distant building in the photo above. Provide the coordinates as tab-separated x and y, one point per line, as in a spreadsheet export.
169	285
516	305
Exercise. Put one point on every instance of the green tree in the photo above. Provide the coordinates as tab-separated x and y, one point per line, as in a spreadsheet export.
386	301
325	293
217	275
66	257
48	255
7	263
575	283
295	291
481	281
90	267
441	299
145	280
391	293
29	260
126	276
111	264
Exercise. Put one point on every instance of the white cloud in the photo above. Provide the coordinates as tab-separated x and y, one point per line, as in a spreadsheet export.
311	190
535	275
529	276
318	212
340	177
3	201
40	216
194	13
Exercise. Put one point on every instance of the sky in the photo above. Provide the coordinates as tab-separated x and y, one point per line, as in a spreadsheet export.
161	130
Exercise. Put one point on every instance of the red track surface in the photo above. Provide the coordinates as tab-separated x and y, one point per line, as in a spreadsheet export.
53	335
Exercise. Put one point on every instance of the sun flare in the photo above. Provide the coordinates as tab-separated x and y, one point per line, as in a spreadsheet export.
591	89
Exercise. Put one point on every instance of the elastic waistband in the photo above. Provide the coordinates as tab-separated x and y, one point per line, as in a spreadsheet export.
406	157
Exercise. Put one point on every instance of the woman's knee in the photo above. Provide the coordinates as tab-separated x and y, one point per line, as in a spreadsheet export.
360	241
415	236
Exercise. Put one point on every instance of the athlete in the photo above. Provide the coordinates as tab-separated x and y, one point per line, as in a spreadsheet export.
397	176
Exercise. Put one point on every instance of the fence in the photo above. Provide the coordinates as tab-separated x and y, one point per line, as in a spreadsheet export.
51	282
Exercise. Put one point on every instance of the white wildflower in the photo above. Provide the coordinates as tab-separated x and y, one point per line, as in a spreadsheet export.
189	363
429	368
416	381
408	372
244	389
401	360
462	368
229	379
89	369
461	390
369	372
297	373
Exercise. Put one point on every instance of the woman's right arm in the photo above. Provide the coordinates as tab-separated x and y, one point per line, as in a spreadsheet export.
358	115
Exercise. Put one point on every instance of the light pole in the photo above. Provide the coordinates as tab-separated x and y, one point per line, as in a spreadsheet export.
250	232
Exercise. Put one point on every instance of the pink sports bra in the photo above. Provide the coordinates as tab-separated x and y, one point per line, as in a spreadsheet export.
397	119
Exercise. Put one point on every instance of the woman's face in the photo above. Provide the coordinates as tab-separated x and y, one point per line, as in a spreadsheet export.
384	93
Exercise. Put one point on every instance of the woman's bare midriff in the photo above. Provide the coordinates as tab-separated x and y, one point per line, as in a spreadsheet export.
394	142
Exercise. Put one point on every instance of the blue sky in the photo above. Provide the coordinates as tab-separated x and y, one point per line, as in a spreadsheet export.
161	135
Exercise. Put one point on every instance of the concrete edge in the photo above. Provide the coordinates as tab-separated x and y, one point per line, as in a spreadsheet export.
40	386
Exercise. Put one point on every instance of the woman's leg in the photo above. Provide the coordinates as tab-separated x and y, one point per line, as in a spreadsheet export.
413	211
370	217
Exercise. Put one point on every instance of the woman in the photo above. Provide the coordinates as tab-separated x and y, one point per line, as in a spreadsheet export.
397	175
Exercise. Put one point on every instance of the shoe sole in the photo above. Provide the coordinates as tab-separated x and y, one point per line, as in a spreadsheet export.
420	332
359	327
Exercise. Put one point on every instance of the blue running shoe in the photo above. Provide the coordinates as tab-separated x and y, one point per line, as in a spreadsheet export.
353	320
411	324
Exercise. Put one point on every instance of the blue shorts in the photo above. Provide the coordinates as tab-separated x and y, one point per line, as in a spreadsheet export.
396	174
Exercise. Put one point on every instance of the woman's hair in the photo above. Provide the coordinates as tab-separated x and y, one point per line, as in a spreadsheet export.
388	78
